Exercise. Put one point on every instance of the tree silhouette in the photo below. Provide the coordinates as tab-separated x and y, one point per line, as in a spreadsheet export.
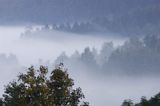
1	102
127	103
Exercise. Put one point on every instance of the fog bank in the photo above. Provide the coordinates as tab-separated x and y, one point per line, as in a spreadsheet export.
92	61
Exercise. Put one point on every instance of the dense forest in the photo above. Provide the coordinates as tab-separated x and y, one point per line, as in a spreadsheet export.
132	17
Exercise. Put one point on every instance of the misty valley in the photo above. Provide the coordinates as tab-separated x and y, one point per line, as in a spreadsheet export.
105	67
79	52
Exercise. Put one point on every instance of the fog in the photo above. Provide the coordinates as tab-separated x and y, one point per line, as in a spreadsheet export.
89	61
112	91
48	45
110	47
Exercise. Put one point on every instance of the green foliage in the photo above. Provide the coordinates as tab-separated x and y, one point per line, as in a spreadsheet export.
36	89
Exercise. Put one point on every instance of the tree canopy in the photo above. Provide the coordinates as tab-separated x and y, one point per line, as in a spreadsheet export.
37	88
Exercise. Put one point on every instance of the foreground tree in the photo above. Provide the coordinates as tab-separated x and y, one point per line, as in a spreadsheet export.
35	88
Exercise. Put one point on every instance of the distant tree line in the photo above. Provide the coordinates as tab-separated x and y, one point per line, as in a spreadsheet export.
110	24
137	56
